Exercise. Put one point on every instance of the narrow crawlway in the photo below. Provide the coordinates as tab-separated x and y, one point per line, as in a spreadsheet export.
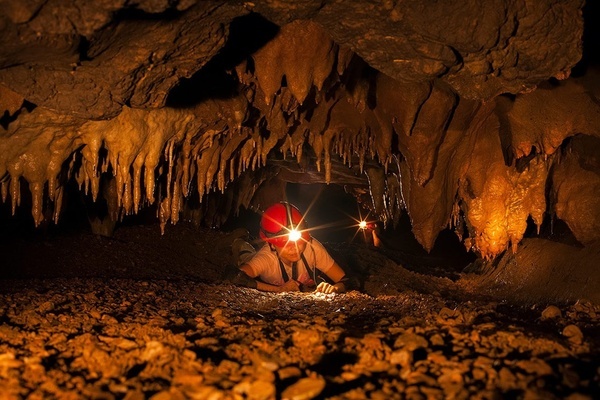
133	318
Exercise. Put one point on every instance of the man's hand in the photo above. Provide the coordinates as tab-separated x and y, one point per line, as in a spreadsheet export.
327	288
290	286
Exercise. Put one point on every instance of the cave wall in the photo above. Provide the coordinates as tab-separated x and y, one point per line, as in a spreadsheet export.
462	115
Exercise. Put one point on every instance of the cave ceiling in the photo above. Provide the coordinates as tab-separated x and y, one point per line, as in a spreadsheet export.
464	115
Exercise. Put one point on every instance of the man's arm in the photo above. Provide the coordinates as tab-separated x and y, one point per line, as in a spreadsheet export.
247	277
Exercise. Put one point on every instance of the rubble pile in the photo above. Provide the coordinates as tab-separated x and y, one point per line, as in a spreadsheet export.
172	339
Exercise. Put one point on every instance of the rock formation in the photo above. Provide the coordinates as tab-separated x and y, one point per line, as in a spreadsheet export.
463	115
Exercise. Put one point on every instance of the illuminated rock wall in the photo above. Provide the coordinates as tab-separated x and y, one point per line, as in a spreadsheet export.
452	114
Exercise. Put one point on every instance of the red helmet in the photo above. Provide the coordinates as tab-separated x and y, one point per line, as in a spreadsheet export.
279	223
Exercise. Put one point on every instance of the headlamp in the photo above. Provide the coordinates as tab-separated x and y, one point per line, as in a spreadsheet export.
282	224
285	236
294	235
364	225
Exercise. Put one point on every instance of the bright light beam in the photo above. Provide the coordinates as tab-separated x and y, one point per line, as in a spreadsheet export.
294	235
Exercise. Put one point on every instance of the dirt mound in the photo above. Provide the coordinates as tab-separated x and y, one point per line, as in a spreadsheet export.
542	271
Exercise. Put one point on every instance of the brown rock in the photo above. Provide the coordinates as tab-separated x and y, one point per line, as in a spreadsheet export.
436	340
451	316
410	342
551	312
261	390
535	367
304	389
573	334
402	357
289	372
307	338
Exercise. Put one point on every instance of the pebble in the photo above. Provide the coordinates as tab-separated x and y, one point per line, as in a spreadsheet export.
573	334
305	389
261	390
402	357
410	342
551	312
288	372
306	338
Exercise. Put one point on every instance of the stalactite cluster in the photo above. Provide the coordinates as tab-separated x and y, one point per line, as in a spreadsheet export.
446	160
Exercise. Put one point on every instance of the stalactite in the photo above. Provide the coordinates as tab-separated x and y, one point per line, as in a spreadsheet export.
247	153
149	168
170	157
429	207
316	141
213	167
296	142
137	182
377	189
187	160
80	175
267	145
355	78
164	213
575	193
361	146
344	58
427	133
327	138
164	210
543	119
232	169
37	201
302	52
51	178
203	165
34	151
4	189
287	101
58	198
176	195
394	196
227	151
15	191
498	199
258	150
127	196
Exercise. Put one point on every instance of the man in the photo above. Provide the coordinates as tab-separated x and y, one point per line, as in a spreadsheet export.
290	260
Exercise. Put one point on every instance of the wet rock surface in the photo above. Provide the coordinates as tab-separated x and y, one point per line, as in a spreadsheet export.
183	333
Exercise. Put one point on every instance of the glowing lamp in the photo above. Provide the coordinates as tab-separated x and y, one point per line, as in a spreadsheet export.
362	225
294	235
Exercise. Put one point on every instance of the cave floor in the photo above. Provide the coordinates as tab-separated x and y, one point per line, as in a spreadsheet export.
144	315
